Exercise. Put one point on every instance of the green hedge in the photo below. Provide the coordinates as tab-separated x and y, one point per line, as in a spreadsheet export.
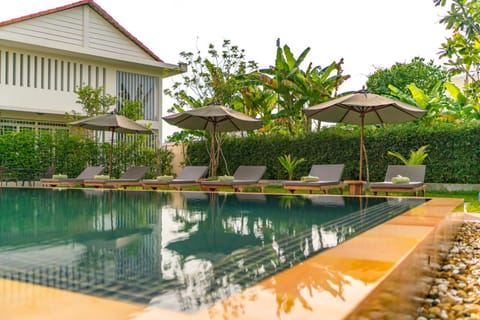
70	154
453	151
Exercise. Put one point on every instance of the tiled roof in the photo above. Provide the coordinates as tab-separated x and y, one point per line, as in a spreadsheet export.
95	7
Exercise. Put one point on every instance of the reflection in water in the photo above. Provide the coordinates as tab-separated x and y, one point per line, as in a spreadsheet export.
181	251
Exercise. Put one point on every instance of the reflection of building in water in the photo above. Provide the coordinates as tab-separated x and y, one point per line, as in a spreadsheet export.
106	252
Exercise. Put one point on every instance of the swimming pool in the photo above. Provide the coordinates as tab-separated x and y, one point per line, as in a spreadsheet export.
173	250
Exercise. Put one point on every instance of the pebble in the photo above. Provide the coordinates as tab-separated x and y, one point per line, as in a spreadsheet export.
455	292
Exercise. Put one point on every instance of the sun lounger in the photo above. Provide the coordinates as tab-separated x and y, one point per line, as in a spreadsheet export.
87	173
329	178
414	183
131	177
189	176
6	177
244	177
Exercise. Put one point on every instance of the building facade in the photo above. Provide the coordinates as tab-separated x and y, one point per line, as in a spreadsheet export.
46	56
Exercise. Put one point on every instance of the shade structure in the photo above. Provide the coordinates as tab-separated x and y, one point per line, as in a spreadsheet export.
114	123
362	108
213	118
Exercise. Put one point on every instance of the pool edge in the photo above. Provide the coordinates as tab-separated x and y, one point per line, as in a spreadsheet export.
400	294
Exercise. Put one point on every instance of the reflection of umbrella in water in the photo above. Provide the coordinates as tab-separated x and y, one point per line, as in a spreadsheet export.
114	123
212	240
213	118
363	108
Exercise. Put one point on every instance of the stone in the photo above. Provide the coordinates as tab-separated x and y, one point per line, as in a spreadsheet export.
455	292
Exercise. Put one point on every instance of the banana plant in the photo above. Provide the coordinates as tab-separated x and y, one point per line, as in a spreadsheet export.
297	88
454	107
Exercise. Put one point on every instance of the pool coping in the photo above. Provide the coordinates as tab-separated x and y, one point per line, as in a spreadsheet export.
380	273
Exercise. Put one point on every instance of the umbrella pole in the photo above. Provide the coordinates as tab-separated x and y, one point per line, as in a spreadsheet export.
212	150
111	152
362	116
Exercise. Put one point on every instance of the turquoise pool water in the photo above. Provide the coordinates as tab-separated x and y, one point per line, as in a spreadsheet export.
181	251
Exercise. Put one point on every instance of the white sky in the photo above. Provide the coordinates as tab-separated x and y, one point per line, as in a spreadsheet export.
367	33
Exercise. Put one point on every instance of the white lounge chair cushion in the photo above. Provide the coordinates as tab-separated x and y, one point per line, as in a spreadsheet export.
310	179
101	177
164	178
400	179
225	178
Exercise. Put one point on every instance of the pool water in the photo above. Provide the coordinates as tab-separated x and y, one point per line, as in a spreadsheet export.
179	251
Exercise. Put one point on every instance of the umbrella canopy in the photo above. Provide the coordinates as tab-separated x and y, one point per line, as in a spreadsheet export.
213	118
114	123
363	108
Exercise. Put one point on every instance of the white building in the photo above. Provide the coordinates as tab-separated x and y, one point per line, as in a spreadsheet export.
45	56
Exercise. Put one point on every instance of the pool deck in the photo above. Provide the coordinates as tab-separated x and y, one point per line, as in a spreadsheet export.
378	274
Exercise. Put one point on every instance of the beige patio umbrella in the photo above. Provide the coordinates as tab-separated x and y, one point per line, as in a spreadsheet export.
362	108
213	118
114	123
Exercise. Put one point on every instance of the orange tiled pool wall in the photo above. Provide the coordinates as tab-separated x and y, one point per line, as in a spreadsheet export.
378	274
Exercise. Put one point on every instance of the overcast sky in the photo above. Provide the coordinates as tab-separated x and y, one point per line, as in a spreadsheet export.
368	34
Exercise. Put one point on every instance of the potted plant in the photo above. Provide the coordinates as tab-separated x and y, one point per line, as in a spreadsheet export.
289	164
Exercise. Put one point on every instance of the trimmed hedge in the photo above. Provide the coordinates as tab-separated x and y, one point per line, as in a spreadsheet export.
70	153
453	151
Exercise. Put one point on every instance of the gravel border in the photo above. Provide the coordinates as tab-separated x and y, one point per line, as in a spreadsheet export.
455	293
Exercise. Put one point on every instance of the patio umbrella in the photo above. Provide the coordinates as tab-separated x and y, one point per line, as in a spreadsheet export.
114	123
213	118
363	108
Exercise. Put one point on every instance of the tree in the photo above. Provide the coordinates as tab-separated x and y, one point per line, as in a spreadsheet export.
462	49
297	89
261	102
211	80
277	94
216	79
93	101
426	76
454	107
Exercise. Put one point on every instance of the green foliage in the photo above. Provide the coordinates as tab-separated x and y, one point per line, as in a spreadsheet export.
93	101
296	89
462	49
289	163
211	80
426	76
216	79
70	154
416	157
453	150
132	109
277	94
440	107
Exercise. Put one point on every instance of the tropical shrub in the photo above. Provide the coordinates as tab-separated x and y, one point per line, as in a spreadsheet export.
416	157
289	163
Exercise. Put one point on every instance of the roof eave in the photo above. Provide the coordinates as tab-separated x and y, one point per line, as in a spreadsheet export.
96	8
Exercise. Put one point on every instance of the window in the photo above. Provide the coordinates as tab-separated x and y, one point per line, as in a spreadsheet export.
138	87
11	125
